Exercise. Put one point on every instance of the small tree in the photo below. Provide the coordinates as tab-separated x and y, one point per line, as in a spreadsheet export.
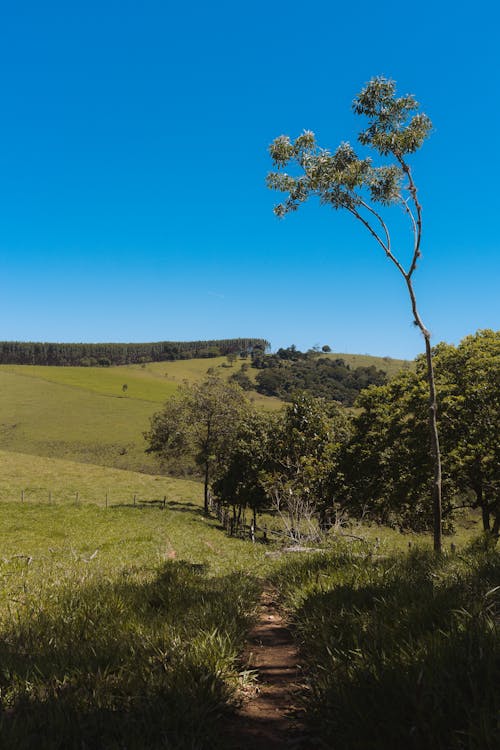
239	477
201	421
343	180
302	459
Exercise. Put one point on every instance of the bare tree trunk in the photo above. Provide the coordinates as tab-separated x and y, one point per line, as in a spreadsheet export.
436	453
433	430
205	489
483	504
496	526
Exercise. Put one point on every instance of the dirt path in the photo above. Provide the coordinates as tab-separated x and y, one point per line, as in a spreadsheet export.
266	719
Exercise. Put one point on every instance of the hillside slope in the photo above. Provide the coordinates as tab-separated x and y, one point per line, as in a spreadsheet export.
85	413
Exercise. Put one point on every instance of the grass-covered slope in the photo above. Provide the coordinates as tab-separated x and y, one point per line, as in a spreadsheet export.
41	479
44	418
86	414
389	365
98	414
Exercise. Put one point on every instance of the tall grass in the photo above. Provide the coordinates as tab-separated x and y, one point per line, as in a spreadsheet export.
119	628
403	651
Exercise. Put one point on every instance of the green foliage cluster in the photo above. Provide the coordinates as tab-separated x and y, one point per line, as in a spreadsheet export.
250	459
104	355
199	421
343	180
316	462
387	464
403	650
285	462
289	370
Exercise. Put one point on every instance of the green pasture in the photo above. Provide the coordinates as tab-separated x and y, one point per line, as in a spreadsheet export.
388	364
402	649
44	418
141	384
84	414
122	626
155	381
34	477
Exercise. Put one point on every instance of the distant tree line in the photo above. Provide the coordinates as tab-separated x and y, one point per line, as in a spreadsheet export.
290	370
104	355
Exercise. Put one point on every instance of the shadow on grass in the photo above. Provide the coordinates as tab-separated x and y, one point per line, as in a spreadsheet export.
404	652
171	505
126	664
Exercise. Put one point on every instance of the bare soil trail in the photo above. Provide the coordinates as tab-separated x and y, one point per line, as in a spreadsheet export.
268	717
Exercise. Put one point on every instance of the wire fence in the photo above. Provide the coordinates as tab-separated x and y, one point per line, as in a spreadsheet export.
232	519
78	498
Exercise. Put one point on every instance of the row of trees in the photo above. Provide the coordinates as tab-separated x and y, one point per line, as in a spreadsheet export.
315	459
33	353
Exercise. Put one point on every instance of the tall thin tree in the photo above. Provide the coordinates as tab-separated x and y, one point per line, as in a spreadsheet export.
343	180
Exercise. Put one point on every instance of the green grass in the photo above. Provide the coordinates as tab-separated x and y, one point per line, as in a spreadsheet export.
82	413
142	384
120	626
155	381
388	364
36	476
49	419
402	649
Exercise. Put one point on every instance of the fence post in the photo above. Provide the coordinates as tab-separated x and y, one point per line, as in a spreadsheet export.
106	499
77	495
135	497
22	496
50	497
164	501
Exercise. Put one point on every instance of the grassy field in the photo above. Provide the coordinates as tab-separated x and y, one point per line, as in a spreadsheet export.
44	418
155	381
120	626
37	476
389	365
83	413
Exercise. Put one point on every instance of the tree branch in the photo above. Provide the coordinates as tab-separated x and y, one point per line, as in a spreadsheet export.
408	210
418	208
385	247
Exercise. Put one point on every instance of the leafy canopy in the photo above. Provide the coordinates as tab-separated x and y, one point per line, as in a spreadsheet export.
342	179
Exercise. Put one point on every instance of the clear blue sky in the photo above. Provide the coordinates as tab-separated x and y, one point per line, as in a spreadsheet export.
133	155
